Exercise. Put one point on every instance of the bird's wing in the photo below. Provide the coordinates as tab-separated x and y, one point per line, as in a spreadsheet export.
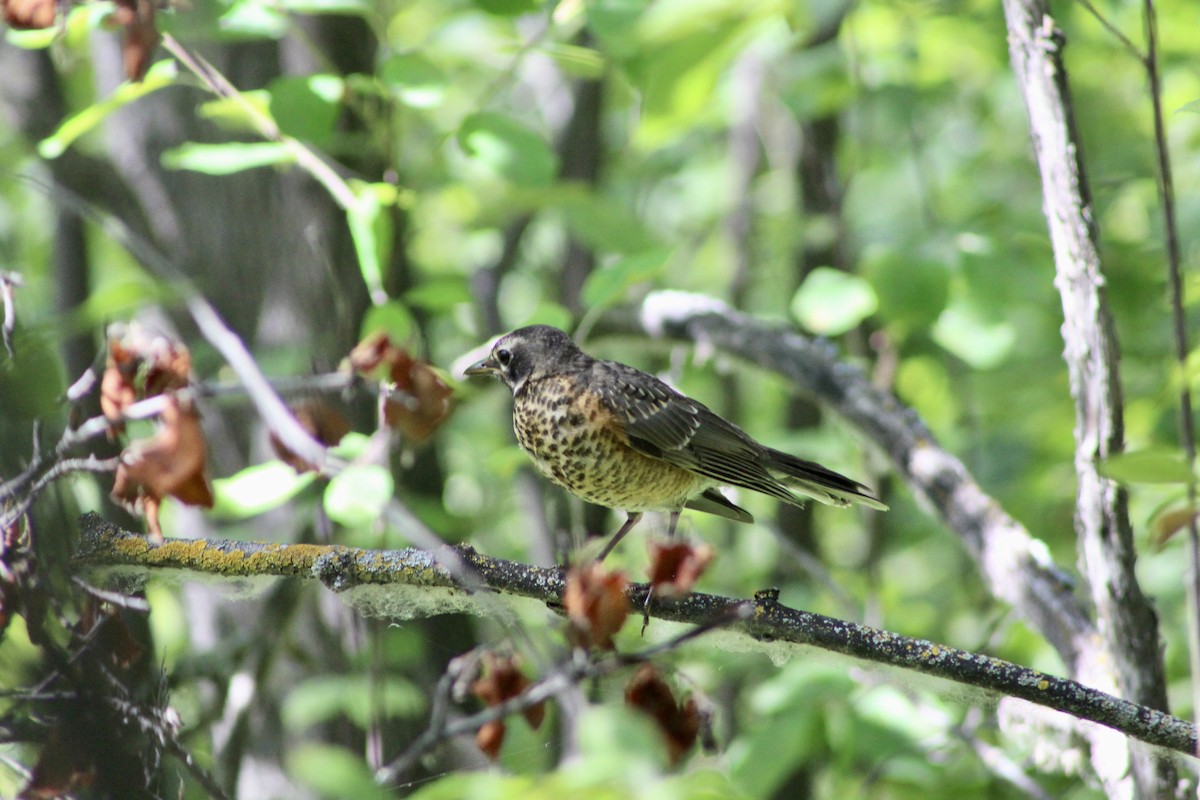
662	423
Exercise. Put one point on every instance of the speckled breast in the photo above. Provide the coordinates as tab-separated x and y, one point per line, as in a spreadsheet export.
575	442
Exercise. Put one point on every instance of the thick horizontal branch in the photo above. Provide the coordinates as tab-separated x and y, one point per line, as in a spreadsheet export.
424	587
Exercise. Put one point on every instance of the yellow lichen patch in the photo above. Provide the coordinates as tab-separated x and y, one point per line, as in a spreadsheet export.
1043	685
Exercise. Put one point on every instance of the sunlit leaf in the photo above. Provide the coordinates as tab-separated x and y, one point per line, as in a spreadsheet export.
356	496
1147	466
609	284
508	148
414	79
237	113
307	107
226	159
163	73
977	340
392	317
257	489
253	20
36	39
831	302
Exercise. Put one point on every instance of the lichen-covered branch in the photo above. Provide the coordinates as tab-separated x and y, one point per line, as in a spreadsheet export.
419	585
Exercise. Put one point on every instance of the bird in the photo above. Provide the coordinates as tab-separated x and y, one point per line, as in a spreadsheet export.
621	438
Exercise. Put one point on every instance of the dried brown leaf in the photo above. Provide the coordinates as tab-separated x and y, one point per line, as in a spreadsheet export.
596	605
169	463
140	36
678	722
676	566
29	14
490	738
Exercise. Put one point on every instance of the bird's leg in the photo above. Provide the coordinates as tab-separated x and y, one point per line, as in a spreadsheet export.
671	525
630	521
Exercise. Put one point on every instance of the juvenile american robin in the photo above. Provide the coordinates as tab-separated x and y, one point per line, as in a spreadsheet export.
619	437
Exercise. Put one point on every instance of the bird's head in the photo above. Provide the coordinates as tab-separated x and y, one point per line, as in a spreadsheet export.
528	354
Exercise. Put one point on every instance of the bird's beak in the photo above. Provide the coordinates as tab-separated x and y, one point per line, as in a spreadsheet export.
487	366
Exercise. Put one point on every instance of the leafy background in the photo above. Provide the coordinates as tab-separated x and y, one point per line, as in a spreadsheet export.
863	171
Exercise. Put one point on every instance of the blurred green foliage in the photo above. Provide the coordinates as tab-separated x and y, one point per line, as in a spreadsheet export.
947	284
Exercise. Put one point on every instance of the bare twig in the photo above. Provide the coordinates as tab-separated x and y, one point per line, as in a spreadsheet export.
1187	430
567	675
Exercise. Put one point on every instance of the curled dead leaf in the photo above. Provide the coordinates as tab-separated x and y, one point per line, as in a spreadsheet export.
679	722
140	364
596	605
420	401
171	462
140	36
490	738
502	680
1171	522
676	566
29	14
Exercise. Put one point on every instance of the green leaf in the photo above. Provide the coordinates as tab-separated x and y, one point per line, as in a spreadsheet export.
160	74
1147	466
31	381
352	445
37	39
414	80
226	159
508	8
580	62
964	331
357	697
334	772
392	317
307	107
232	114
358	494
508	148
439	295
831	302
371	229
257	489
253	19
601	223
350	7
609	284
912	292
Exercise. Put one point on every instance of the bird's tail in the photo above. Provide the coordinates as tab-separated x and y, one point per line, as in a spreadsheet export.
820	483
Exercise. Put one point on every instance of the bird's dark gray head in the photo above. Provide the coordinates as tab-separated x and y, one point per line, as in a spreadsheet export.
528	354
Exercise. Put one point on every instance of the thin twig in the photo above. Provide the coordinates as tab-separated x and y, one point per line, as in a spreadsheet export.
569	674
1113	30
1187	431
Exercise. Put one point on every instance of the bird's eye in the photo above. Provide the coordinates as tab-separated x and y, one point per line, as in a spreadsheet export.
504	357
